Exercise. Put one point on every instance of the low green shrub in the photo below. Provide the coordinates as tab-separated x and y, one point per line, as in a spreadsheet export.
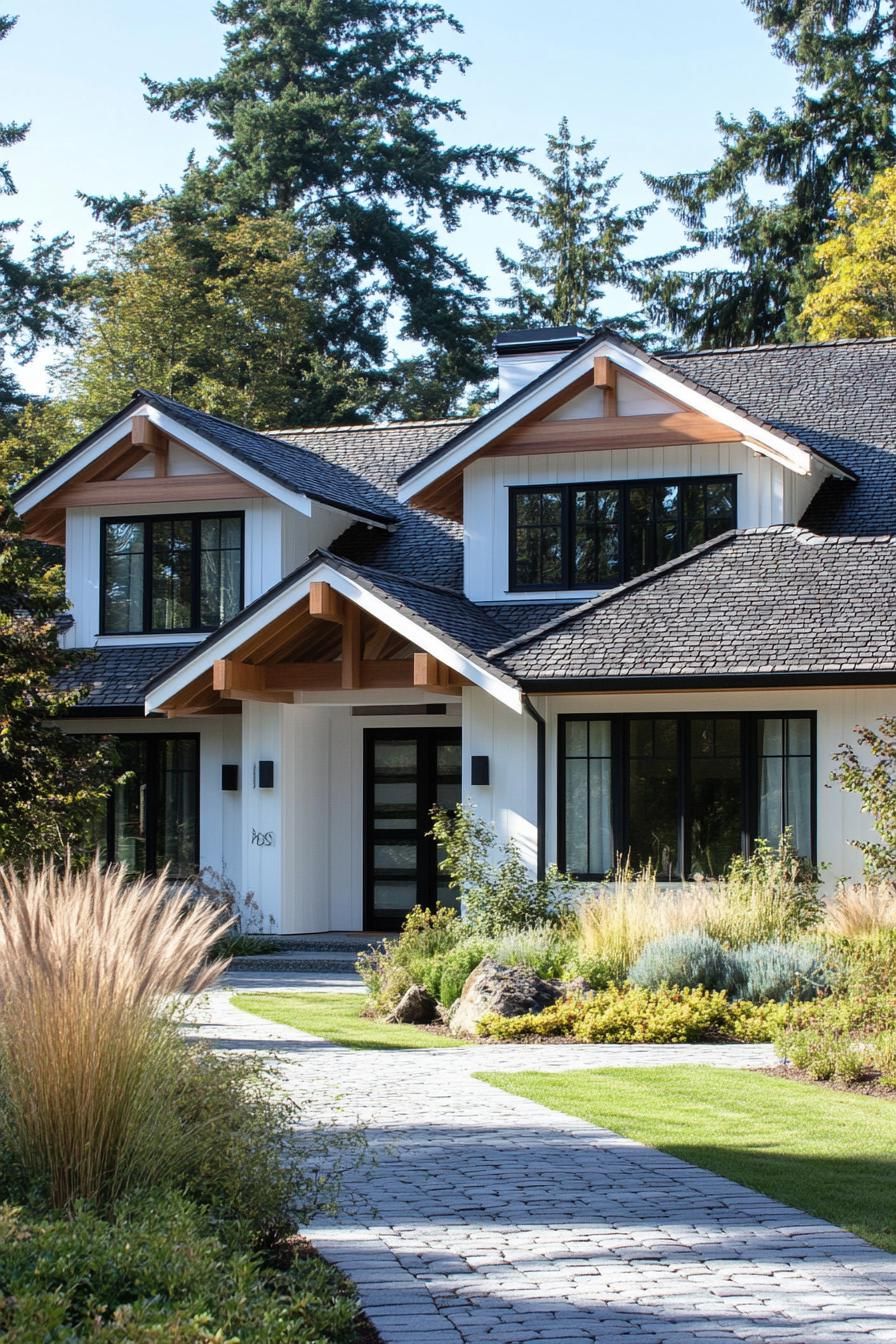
780	971
688	960
883	1057
447	973
823	1053
391	967
549	950
157	1270
626	1014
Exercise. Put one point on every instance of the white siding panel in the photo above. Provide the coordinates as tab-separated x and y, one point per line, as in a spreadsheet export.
767	494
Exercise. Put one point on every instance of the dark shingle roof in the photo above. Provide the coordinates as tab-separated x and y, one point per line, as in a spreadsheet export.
767	602
839	399
118	677
422	544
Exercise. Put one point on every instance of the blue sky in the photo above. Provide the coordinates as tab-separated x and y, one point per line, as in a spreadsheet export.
644	79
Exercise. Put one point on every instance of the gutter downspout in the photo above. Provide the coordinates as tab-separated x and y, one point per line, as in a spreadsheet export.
540	812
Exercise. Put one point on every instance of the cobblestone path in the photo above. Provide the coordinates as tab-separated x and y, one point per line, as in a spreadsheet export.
484	1218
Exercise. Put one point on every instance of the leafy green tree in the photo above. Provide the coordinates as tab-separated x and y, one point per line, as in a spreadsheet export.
51	784
237	318
32	308
582	242
41	431
329	112
871	776
838	134
855	293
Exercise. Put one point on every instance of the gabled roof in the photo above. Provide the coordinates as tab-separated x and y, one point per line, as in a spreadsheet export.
437	619
761	605
299	471
667	374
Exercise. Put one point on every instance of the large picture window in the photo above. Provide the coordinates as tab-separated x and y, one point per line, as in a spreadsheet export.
152	815
590	536
161	575
684	793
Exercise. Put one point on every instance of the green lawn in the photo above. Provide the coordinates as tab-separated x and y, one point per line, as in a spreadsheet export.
337	1018
830	1153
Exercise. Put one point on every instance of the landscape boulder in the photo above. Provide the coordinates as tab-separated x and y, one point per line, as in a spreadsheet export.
416	1005
509	991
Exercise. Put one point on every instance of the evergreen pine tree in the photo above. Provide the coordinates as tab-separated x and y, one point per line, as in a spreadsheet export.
582	240
838	134
32	308
330	111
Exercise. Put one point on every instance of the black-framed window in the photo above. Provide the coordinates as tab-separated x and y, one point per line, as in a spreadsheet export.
683	792
152	815
589	536
165	574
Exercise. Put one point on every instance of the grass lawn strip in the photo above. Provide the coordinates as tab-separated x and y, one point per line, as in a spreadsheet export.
831	1154
337	1018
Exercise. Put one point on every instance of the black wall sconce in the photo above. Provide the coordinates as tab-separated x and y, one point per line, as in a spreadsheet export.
478	769
230	778
265	774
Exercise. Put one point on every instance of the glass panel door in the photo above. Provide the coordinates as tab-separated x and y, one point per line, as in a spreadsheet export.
407	771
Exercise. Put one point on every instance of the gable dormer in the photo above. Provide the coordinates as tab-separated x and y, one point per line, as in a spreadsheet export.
606	463
173	521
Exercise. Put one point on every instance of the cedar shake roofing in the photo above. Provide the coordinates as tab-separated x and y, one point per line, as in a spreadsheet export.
422	544
118	677
771	603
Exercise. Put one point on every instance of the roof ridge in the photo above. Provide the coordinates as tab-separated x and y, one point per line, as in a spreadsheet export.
379	425
781	347
605	599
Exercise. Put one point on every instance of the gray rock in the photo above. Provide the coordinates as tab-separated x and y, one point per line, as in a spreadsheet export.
509	991
416	1005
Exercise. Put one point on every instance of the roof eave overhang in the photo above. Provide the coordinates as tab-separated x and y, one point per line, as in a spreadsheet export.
735	681
761	438
301	501
231	638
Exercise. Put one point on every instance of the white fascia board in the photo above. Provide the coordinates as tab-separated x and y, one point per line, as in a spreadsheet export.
202	659
796	459
293	499
30	498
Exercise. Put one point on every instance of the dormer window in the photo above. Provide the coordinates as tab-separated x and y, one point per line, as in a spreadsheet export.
591	536
167	575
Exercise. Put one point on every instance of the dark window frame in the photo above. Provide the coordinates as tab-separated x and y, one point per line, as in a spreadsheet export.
147	519
567	491
619	734
154	741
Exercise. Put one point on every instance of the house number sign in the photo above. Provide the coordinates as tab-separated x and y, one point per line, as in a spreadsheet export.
263	839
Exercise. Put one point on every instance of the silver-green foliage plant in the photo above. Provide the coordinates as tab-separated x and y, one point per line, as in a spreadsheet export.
498	893
874	783
688	960
781	971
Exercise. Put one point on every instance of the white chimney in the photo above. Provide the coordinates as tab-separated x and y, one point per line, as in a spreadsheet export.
525	354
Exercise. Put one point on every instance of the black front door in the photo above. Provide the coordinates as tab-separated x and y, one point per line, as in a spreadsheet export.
406	772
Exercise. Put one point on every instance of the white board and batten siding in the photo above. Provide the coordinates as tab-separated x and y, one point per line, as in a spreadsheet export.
767	494
277	540
509	740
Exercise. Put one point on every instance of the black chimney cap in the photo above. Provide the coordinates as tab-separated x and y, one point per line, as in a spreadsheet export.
539	340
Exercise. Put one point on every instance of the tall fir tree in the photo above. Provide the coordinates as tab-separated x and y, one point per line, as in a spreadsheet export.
32	303
582	241
838	134
330	111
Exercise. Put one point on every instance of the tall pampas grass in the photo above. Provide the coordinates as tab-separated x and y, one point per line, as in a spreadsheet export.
89	1047
862	908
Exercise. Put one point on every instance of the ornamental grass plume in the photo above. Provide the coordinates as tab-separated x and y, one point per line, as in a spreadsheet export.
862	908
89	962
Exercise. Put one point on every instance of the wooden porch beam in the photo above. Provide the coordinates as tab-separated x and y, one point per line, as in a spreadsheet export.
605	378
232	678
431	675
618	431
154	490
325	603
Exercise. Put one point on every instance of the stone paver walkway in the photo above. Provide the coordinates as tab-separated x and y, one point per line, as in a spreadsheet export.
488	1219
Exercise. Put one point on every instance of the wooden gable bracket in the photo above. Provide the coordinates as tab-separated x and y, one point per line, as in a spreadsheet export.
146	434
431	675
325	603
605	378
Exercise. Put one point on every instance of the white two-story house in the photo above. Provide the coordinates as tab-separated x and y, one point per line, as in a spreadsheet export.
632	609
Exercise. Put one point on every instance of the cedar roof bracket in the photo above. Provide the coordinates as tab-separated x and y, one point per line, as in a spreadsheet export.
605	379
